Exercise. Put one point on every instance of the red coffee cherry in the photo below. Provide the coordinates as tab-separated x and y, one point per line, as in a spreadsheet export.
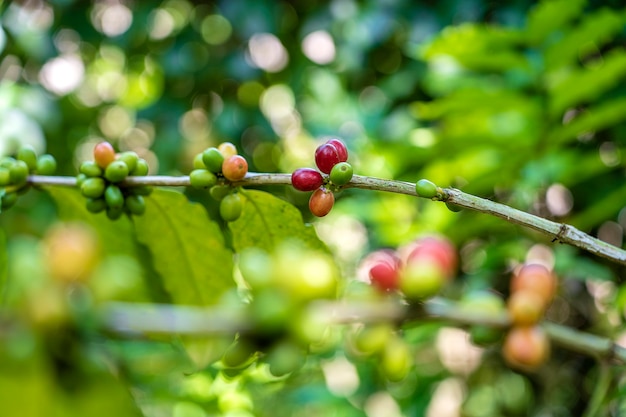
321	202
436	248
384	266
326	157
525	307
103	154
342	151
526	348
306	179
235	168
535	278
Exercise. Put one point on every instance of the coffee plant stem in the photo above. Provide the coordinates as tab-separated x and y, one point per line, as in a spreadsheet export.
560	232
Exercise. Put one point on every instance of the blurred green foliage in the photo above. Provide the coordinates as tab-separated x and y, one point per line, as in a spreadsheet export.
520	102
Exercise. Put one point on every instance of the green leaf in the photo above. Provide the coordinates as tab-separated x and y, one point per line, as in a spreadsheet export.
587	84
115	236
267	221
551	15
593	32
187	248
598	117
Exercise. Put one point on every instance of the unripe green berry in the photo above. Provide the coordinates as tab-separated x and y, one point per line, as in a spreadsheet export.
18	172
141	168
7	162
141	190
80	178
116	171
135	204
90	169
27	154
238	354
453	207
8	200
93	187
202	178
5	176
46	165
218	192
426	189
231	207
130	158
285	357
341	173
213	160
95	205
197	162
114	213
114	197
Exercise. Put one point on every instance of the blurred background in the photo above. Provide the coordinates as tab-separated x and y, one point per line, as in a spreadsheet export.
521	102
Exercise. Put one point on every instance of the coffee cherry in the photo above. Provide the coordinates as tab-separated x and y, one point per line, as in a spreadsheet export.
383	269
423	279
27	154
238	354
525	307
341	173
526	348
135	204
80	178
103	154
130	158
218	192
484	303
453	207
227	149
321	202
213	159
396	360
93	187
114	197
372	339
8	200
5	176
535	278
201	178
306	179
342	151
434	248
7	162
141	190
426	189
91	169
117	171
46	165
231	207
197	162
285	357
326	157
114	213
96	205
18	173
141	168
72	251
235	168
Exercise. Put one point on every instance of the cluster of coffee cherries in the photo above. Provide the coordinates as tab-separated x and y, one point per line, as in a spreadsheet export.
532	289
331	159
419	269
14	172
99	181
282	284
221	162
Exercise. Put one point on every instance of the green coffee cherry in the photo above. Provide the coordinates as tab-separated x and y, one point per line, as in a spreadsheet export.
141	190
453	207
218	192
135	204
18	172
7	162
114	213
46	165
231	207
130	158
114	197
341	173
8	200
202	178
238	354
27	154
96	205
80	178
426	189
285	357
90	169
141	168
116	171
5	177
197	162
213	160
93	187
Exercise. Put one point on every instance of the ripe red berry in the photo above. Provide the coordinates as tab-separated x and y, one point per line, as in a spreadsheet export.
321	202
103	154
342	151
526	347
434	248
535	278
306	179
326	157
383	268
235	168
